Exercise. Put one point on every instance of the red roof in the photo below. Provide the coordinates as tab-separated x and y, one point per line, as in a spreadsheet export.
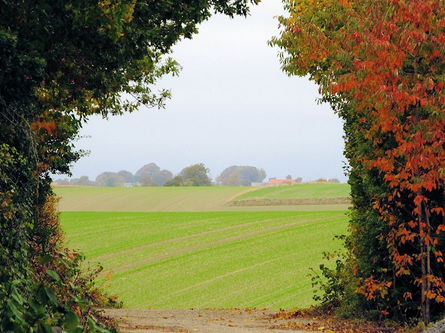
282	181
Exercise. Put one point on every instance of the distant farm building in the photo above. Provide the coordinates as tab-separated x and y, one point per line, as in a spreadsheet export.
274	181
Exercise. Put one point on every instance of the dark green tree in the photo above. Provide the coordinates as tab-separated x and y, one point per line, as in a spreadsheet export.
62	61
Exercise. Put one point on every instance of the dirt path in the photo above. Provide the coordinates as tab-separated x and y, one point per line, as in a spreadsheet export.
206	321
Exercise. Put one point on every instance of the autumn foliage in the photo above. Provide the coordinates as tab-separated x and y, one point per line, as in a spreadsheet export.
380	64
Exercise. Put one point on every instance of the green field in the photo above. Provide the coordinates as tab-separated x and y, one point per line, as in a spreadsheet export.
195	199
190	247
296	194
207	259
146	199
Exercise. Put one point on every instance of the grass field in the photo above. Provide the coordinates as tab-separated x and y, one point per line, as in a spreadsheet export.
206	259
146	199
296	194
194	199
300	191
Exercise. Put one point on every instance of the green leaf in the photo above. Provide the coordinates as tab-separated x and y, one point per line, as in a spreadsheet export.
71	321
97	329
45	259
44	328
12	307
53	274
38	308
15	294
92	324
51	295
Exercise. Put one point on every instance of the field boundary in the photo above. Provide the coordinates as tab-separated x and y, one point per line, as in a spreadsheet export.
289	202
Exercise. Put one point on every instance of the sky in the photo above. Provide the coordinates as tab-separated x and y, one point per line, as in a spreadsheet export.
231	105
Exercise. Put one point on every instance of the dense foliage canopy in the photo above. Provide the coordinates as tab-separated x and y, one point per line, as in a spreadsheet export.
380	64
62	61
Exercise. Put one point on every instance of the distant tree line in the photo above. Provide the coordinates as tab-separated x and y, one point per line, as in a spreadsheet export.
148	175
193	175
152	175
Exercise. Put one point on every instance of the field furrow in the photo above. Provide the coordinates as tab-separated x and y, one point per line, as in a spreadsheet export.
178	239
207	259
204	245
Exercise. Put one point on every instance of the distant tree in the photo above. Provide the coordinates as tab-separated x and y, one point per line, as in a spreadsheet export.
261	175
161	177
333	180
127	175
247	175
115	181
110	179
148	182
177	181
196	175
82	181
147	170
288	177
234	179
74	181
64	181
153	172
299	179
321	180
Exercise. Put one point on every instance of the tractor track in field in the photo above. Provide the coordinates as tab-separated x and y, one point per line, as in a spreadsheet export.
219	277
179	239
201	246
232	198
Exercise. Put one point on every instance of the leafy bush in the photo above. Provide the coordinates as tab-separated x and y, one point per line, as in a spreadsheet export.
56	290
62	295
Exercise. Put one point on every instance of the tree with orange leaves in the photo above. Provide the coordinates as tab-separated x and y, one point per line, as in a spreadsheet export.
380	64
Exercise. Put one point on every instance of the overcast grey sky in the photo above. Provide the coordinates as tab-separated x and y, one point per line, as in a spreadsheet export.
231	105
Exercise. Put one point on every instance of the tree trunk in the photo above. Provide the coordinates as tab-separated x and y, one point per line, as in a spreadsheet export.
425	266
